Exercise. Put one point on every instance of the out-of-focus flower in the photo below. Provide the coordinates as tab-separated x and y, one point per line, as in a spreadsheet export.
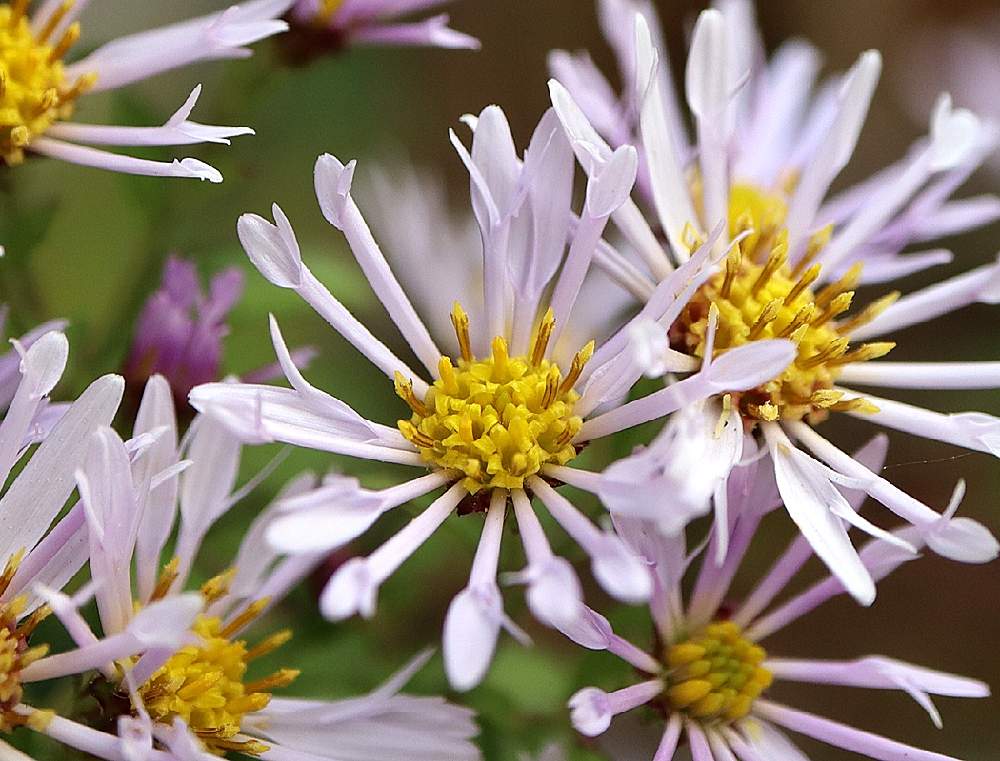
190	693
764	156
179	332
491	423
323	26
707	674
41	90
37	561
963	59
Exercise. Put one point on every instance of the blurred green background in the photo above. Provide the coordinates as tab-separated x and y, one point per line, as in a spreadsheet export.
89	246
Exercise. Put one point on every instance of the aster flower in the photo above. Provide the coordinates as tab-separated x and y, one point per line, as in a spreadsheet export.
37	561
323	25
487	424
179	332
708	673
193	697
41	90
760	168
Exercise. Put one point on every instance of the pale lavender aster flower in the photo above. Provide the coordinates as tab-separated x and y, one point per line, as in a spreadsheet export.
38	561
764	155
329	25
39	107
179	332
489	424
708	674
136	495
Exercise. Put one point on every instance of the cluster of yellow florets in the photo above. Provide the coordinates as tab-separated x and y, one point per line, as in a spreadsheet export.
759	294
715	675
205	683
34	92
496	420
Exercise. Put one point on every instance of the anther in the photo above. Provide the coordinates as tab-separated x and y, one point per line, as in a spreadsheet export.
17	10
249	613
580	360
280	678
460	321
766	317
733	262
53	21
217	586
847	282
802	318
404	390
869	313
269	645
541	342
866	352
13	562
832	350
166	580
68	40
816	244
775	261
837	306
808	278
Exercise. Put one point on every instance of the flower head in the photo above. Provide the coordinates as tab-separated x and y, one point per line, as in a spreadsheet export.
320	26
764	154
179	332
40	88
189	687
497	419
708	672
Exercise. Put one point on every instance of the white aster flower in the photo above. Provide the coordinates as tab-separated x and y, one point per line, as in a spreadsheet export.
707	674
332	24
40	90
37	561
490	424
764	156
189	694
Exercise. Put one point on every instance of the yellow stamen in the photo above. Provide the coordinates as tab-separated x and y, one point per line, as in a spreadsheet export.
541	342
404	390
166	580
250	613
460	321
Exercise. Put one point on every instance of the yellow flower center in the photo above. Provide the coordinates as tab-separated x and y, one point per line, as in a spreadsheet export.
204	684
15	654
496	420
715	675
760	295
34	92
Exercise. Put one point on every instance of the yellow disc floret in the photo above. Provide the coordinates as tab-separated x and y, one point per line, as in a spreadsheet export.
496	420
715	675
34	91
15	654
759	295
204	683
